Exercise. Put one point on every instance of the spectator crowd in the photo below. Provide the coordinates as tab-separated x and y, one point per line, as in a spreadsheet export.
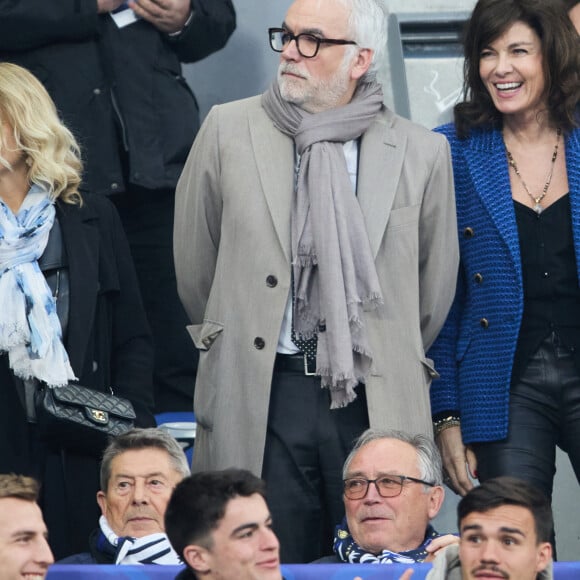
362	312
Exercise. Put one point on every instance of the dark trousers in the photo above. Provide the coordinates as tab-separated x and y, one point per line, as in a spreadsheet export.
147	217
544	412
306	445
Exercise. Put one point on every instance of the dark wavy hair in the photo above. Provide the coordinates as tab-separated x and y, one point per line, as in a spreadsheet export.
560	57
570	4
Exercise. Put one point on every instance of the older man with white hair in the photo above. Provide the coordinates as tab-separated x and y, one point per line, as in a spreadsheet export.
392	490
315	246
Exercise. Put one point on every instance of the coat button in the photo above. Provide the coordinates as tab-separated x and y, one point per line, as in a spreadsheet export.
478	278
468	232
271	281
484	322
259	343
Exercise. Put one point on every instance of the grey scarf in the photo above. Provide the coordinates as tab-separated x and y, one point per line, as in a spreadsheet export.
334	272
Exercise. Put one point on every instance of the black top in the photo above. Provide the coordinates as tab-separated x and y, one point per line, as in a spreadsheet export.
551	293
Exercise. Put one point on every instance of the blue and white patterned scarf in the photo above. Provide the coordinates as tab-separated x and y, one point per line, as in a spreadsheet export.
350	552
128	551
30	330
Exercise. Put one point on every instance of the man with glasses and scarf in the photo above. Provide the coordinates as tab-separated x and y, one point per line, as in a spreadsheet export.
392	490
316	246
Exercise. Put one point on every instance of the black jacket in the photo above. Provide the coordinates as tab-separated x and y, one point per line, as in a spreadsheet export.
120	91
108	344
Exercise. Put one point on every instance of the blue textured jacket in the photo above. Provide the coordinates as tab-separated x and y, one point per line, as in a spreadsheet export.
474	352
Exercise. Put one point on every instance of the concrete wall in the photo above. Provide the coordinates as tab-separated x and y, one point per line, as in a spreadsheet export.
245	67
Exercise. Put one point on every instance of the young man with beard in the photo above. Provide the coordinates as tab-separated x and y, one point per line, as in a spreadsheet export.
505	526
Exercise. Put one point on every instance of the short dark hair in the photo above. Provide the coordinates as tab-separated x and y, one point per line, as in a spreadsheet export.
199	502
504	490
560	56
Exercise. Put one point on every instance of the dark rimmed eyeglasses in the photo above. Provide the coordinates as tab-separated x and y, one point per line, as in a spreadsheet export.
387	486
307	45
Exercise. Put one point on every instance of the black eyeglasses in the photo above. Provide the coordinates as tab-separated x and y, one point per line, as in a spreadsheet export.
387	486
307	45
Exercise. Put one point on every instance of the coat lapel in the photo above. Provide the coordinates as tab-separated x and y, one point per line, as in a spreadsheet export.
81	240
380	164
274	154
486	150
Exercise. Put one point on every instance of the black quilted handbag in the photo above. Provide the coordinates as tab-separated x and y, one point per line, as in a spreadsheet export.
81	419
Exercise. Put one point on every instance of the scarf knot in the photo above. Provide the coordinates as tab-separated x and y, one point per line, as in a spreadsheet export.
335	278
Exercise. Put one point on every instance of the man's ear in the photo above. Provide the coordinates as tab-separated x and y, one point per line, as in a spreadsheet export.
361	63
102	501
544	556
437	495
197	558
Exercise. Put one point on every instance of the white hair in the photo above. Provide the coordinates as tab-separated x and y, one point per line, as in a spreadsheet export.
428	457
367	23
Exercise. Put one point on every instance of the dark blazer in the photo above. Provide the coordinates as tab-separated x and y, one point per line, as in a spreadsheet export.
474	352
82	58
108	339
108	343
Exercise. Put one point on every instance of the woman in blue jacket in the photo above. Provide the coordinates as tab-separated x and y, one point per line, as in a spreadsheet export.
509	353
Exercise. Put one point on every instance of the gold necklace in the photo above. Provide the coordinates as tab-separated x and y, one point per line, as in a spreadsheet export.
537	199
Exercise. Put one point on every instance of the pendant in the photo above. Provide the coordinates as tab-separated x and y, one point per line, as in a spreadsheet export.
538	208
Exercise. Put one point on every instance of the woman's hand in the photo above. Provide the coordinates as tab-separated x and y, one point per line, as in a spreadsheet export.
458	461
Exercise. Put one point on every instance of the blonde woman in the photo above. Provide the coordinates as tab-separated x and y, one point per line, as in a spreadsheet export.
70	304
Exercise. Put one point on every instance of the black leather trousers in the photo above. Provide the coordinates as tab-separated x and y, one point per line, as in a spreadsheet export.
544	412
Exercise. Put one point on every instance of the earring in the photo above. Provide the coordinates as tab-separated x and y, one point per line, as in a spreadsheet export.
29	161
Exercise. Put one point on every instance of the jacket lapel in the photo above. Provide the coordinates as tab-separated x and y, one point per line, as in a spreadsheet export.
81	240
380	164
485	153
274	154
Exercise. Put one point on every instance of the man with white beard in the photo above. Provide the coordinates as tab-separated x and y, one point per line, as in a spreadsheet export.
316	246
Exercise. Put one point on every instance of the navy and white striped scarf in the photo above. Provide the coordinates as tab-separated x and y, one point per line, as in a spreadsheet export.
350	552
151	549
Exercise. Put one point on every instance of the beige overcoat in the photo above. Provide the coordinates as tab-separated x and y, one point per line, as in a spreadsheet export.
232	255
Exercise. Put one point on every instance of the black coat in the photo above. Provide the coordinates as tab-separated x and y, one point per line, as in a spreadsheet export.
108	344
83	59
